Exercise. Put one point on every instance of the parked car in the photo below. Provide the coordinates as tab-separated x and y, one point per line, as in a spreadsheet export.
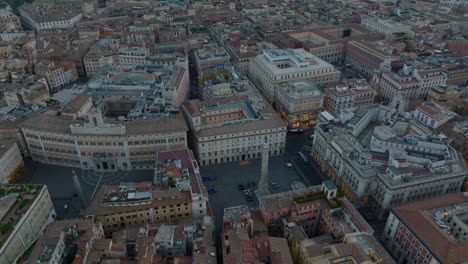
211	190
241	187
274	185
249	198
207	178
289	164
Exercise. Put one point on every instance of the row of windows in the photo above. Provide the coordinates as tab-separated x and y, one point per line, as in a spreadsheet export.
69	151
142	162
144	153
106	143
143	221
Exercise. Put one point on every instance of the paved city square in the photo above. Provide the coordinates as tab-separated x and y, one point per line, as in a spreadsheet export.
227	178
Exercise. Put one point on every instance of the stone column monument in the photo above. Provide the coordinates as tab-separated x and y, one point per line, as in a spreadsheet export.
263	187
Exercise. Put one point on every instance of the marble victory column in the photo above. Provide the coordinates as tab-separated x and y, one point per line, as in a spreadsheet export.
263	187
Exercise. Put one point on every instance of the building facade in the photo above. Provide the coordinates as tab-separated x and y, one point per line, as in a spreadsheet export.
444	93
381	158
30	222
233	129
58	75
179	169
299	103
129	56
329	43
134	204
167	86
269	70
210	55
433	231
244	239
57	241
44	15
409	82
78	106
433	114
10	131
17	95
8	21
386	27
352	93
368	58
10	161
100	145
457	74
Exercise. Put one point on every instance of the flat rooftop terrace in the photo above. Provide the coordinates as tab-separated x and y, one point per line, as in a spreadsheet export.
15	201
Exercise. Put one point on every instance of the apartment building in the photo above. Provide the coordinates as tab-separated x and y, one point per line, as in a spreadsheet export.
381	158
223	81
321	226
170	54
188	241
167	86
457	74
246	239
444	93
59	74
431	231
78	106
10	131
179	169
433	114
351	93
368	58
10	161
233	128
91	61
209	55
134	204
242	52
129	56
384	26
63	237
100	56
307	207
355	248
16	94
42	14
299	103
272	68
329	43
100	145
25	212
9	21
410	82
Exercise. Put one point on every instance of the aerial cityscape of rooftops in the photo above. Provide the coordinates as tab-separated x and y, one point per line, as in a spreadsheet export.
237	132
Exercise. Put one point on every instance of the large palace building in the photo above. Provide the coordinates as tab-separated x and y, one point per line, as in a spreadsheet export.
100	145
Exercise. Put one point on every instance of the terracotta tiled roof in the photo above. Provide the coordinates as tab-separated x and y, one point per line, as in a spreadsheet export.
416	218
428	110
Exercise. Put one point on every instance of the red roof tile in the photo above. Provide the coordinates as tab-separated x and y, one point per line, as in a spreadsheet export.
428	110
423	226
